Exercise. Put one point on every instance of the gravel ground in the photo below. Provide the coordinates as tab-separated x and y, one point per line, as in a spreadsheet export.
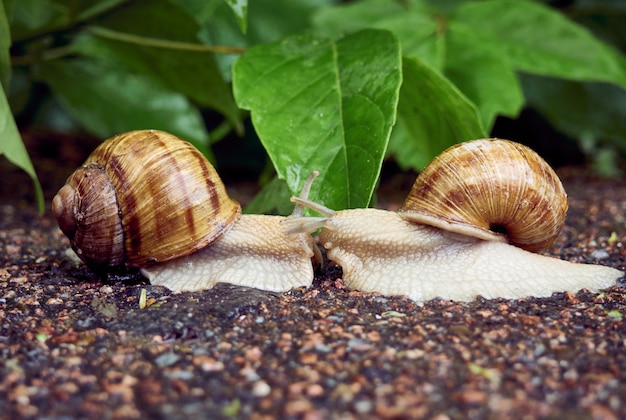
77	346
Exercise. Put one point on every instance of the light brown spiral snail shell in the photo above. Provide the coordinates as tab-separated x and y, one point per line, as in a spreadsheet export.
150	200
452	237
487	189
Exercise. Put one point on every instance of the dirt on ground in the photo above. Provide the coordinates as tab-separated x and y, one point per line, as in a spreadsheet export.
77	345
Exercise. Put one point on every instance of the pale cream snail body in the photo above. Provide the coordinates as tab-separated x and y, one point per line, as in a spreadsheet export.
147	199
466	229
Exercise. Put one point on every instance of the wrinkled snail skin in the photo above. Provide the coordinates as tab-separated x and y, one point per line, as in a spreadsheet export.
424	262
269	260
149	200
441	243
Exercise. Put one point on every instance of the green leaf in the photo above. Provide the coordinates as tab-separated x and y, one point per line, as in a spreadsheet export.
580	110
199	10
13	147
324	105
268	21
414	25
240	9
108	101
537	39
126	41
486	79
432	115
30	18
350	17
87	9
5	44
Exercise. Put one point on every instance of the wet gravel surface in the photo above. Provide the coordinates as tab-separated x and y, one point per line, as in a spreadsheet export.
74	345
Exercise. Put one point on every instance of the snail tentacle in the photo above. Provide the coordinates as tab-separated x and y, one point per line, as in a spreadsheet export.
304	224
298	210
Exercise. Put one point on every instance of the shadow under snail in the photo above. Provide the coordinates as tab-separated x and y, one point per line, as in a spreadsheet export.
147	199
466	229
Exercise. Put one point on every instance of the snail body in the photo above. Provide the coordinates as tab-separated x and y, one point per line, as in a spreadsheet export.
273	260
440	243
424	262
147	199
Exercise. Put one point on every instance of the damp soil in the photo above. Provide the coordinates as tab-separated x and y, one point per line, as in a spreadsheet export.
77	345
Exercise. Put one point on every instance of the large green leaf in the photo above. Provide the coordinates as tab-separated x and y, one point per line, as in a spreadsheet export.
537	39
581	110
432	115
11	144
324	105
29	16
415	26
126	41
107	100
486	79
13	148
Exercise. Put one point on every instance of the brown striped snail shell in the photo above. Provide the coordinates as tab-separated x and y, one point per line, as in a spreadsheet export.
490	188
464	230
147	199
143	197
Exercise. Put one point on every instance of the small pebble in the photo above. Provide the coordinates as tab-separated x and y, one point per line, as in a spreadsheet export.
167	359
261	389
599	254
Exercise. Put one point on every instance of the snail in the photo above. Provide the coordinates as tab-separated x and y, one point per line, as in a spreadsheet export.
466	229
150	200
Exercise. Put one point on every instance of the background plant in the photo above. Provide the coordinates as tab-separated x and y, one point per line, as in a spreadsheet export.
332	87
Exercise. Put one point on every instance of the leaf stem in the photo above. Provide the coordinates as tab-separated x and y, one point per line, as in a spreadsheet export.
51	54
221	131
440	41
163	43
